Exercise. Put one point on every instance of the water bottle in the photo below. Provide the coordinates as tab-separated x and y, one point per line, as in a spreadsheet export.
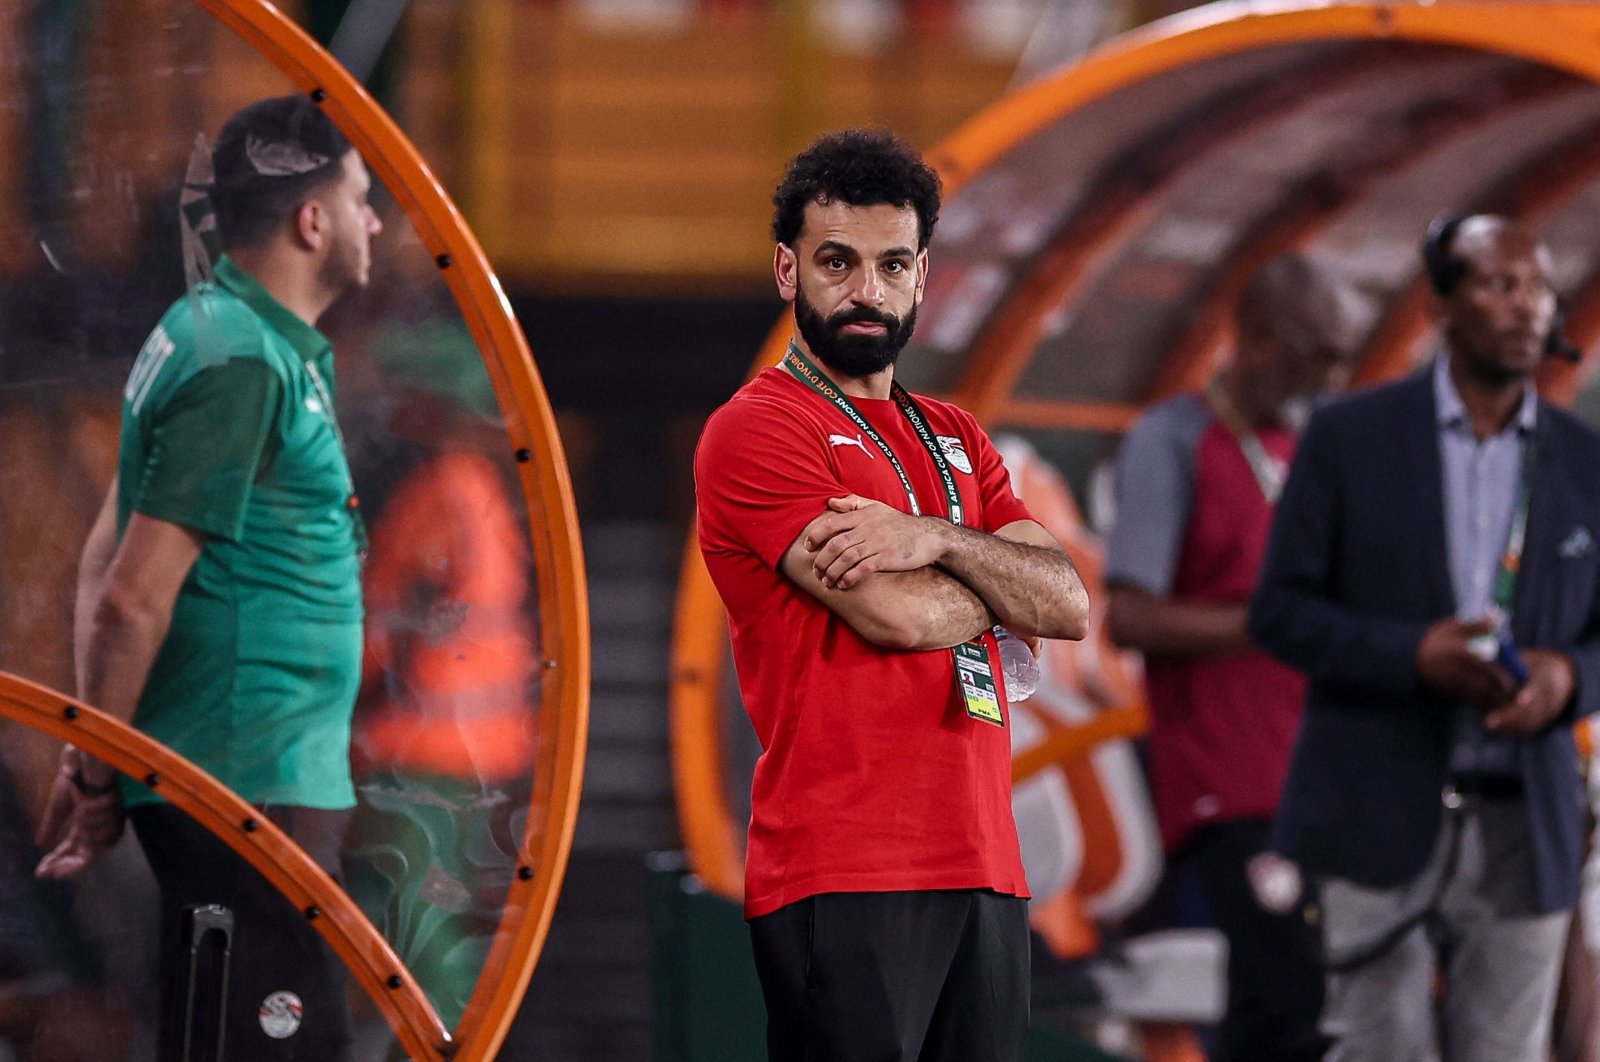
1018	662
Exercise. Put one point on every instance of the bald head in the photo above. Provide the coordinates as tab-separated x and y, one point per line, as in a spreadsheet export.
1454	241
1496	301
1299	304
1297	335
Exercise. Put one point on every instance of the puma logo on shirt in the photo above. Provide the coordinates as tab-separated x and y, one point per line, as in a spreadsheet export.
845	440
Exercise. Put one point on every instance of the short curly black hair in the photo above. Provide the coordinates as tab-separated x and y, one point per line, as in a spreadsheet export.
861	167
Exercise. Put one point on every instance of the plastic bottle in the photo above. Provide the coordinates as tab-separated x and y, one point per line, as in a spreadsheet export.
1019	664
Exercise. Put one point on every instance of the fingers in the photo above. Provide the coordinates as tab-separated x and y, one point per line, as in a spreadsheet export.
1534	707
1499	685
843	562
821	530
846	573
838	517
65	861
57	810
1502	719
96	826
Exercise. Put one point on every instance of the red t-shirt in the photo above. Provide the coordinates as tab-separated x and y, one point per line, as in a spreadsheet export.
872	778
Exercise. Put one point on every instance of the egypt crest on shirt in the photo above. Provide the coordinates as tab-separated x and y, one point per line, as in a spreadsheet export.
955	453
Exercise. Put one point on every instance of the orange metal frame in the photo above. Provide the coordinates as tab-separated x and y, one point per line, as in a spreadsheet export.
1317	202
1125	197
536	445
563	603
375	966
1553	34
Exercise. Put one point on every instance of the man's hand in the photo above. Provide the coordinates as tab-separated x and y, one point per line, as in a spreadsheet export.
858	536
1551	681
76	827
1447	664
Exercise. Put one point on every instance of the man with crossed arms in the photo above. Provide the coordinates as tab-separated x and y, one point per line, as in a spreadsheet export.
865	542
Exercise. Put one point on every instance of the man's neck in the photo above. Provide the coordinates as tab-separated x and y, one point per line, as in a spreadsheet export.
1490	404
289	280
1241	392
878	385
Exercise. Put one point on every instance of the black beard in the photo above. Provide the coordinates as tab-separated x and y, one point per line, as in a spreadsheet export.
854	356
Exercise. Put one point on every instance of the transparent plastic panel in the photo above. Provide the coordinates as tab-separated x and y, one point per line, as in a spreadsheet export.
273	662
446	736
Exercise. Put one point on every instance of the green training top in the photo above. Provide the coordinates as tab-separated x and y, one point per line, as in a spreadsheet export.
228	429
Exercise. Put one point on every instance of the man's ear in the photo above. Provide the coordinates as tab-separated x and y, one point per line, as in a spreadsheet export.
311	224
922	274
786	271
1438	309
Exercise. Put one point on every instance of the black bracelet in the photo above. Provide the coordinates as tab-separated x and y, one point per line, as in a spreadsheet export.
81	784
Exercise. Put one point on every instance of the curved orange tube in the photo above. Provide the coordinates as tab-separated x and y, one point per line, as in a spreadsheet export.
536	447
213	805
536	444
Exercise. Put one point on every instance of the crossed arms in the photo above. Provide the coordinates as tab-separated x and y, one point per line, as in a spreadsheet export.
916	582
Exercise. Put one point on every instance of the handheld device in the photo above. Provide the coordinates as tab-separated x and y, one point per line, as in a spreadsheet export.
1508	657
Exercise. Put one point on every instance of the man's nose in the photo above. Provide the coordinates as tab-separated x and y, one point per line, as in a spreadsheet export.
1528	300
870	292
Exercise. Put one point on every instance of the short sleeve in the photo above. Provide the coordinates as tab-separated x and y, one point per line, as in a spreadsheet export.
1001	506
206	445
1154	478
759	479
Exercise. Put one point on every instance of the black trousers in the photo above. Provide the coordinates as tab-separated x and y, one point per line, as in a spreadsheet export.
940	976
275	950
1275	973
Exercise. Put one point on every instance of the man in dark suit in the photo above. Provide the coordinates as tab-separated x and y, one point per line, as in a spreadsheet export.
1426	528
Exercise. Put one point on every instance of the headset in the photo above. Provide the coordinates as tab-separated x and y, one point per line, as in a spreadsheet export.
1445	272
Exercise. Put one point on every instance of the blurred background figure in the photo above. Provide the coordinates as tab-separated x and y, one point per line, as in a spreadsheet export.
443	743
1196	482
1433	570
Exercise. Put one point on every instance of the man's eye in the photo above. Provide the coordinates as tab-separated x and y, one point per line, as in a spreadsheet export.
895	267
836	263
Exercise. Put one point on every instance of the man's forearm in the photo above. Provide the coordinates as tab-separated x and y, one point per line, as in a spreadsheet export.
93	565
932	609
122	647
916	610
1031	589
1164	626
913	609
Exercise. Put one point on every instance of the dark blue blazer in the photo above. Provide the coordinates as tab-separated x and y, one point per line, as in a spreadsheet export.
1356	571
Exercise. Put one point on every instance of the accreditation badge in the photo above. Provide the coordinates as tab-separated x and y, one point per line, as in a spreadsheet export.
976	665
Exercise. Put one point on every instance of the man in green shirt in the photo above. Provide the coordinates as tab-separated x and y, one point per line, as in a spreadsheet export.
219	602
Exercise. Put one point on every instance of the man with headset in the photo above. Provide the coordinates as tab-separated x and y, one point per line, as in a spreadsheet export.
1433	569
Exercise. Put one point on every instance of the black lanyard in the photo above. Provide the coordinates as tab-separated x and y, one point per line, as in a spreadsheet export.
802	369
